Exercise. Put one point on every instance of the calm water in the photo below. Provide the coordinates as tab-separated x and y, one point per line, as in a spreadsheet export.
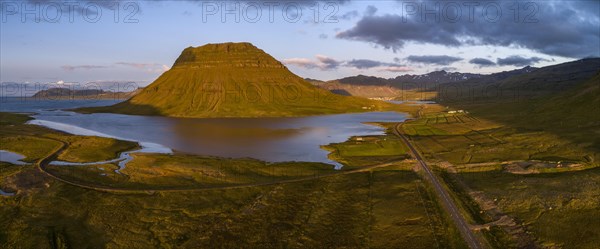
269	139
11	157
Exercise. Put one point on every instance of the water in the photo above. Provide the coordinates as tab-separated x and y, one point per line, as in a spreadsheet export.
269	139
11	157
2	193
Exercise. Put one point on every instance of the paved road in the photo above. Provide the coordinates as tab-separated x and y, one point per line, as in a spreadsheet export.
44	162
447	201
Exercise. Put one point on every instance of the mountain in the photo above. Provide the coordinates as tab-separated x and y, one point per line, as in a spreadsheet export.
381	88
582	104
409	81
555	78
62	92
432	79
363	80
522	83
235	80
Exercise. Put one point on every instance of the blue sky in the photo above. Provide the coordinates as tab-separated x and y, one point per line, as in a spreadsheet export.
361	37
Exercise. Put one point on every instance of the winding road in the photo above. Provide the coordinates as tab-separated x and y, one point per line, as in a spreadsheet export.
444	196
44	162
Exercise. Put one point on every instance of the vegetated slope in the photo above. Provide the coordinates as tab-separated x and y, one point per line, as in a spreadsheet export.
520	84
570	114
581	104
235	80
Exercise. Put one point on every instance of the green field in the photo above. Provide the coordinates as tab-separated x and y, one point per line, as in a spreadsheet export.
160	171
368	150
378	209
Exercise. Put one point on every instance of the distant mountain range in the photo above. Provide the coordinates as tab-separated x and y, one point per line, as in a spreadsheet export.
410	81
527	80
235	80
62	93
29	89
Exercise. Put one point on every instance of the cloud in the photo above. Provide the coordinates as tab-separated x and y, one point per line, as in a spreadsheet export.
148	67
323	36
349	15
138	65
371	10
363	63
85	67
446	69
396	69
328	62
482	62
518	61
433	59
563	28
367	64
323	62
82	7
300	62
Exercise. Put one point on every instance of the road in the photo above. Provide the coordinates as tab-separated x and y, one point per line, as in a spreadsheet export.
44	162
443	195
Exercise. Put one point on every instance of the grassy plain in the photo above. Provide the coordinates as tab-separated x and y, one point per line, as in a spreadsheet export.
179	171
378	209
466	139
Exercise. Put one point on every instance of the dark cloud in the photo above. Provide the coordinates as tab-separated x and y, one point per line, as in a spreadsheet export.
563	28
366	64
482	62
328	62
518	61
349	15
323	62
363	64
371	10
270	2
433	59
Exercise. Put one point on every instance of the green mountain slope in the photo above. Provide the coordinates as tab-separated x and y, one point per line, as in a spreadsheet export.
235	80
581	104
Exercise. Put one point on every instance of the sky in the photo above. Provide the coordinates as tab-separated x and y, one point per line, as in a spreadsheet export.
49	41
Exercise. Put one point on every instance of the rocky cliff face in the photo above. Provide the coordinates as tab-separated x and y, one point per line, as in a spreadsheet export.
226	55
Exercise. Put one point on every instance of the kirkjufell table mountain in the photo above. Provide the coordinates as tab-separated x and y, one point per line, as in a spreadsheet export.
235	80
